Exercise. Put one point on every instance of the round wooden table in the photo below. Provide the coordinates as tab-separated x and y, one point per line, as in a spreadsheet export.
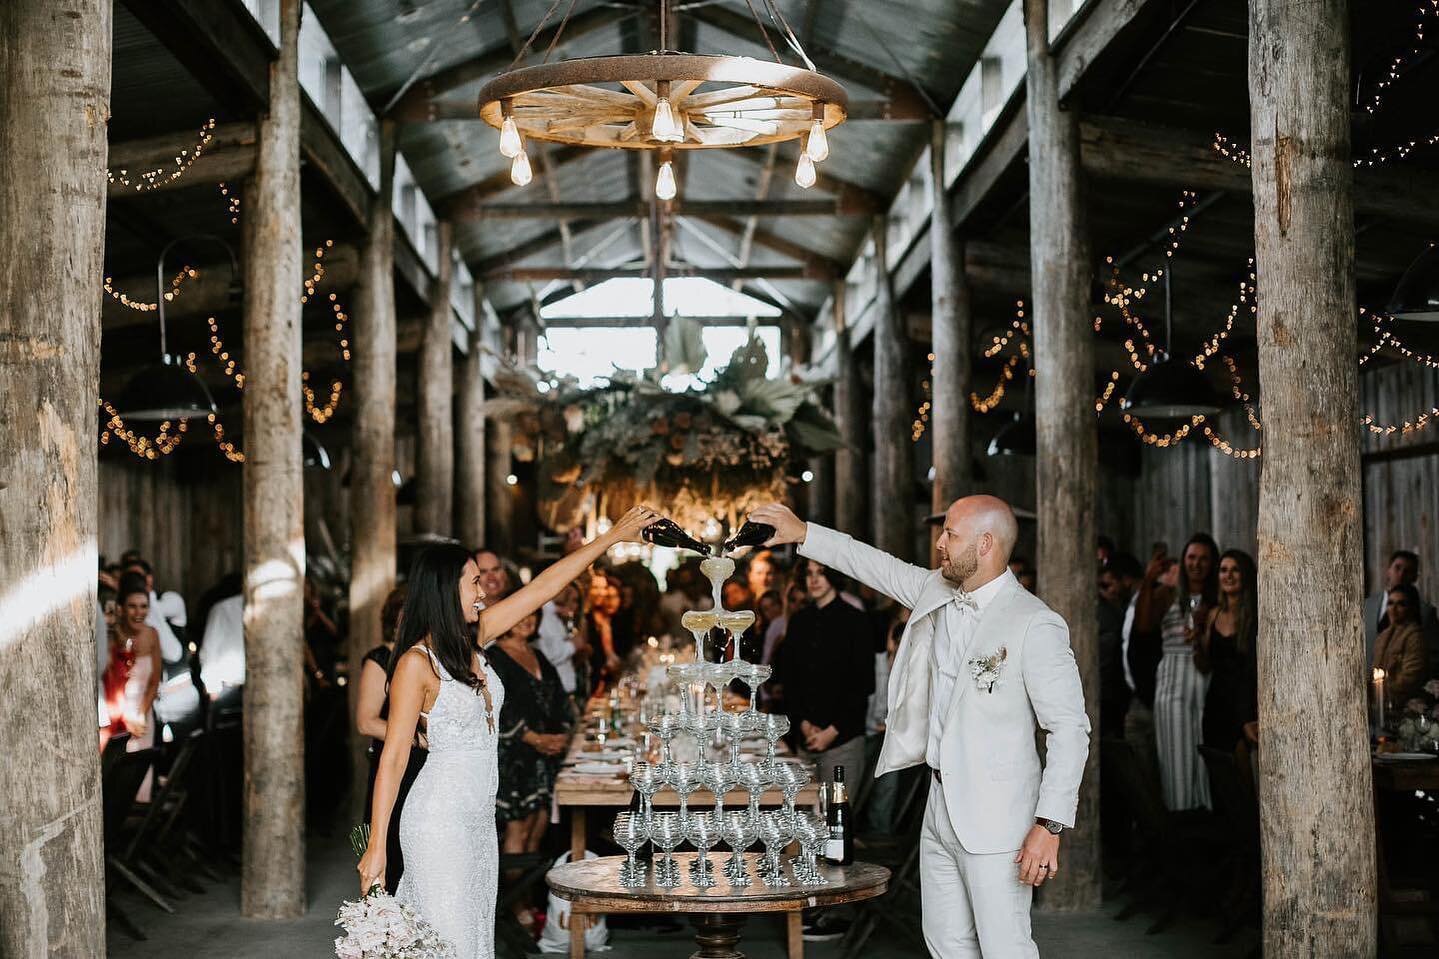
593	888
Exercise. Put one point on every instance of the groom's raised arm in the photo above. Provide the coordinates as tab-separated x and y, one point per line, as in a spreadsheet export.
895	578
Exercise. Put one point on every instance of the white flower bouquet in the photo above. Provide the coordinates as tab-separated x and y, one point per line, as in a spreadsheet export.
378	926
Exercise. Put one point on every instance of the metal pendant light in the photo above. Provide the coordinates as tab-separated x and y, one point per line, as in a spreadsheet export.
1416	298
1018	437
1171	388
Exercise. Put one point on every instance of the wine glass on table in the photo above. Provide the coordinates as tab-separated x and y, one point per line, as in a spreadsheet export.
631	833
703	830
740	831
667	833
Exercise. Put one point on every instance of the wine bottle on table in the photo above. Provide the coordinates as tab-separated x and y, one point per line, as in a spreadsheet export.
666	532
839	848
750	534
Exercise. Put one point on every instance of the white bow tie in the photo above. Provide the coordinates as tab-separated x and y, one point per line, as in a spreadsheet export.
962	599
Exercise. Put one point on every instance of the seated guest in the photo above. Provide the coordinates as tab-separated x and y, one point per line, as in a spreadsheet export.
1399	648
561	641
167	611
1225	651
132	677
827	666
1403	569
534	731
372	709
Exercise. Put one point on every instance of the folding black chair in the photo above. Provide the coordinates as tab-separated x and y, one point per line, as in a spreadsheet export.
119	783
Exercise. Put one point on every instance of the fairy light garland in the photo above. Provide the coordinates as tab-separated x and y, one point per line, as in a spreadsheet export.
1161	440
921	417
162	443
160	176
1247	297
1108	392
186	272
232	203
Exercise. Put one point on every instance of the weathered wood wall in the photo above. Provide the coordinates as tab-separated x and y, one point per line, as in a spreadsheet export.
1401	473
1171	497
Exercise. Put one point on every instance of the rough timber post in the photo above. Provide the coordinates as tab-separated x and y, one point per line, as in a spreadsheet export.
951	324
851	474
435	453
892	495
470	435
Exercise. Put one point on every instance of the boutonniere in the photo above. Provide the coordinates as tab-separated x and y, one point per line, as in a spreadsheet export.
985	669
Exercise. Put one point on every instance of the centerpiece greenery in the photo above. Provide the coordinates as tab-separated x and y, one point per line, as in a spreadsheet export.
710	452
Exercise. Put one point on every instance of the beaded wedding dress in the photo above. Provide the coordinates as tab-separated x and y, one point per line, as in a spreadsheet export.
447	829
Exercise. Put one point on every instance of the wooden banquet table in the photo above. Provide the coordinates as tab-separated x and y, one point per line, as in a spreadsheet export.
1401	776
592	887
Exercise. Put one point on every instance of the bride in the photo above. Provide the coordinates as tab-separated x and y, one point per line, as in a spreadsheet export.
438	673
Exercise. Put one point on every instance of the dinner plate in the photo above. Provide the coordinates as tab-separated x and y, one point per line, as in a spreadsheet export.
599	769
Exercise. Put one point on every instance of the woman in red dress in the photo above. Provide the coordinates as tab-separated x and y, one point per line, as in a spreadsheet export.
133	676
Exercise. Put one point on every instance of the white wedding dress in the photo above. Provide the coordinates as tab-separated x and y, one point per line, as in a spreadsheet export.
447	828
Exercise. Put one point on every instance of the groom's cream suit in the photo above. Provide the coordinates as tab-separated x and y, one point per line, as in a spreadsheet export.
974	676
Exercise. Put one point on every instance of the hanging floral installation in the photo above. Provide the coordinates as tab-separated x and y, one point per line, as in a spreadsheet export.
705	455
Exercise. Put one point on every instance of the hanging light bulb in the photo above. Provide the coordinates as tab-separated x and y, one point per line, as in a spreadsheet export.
804	174
510	143
666	127
520	173
665	186
818	147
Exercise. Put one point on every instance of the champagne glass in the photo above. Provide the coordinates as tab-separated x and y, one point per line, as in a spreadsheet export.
666	727
719	778
732	727
755	778
812	841
666	833
646	781
699	623
740	831
703	830
753	675
776	725
790	779
631	833
803	833
681	777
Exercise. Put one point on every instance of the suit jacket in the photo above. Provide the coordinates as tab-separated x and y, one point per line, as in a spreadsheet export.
993	782
1375	605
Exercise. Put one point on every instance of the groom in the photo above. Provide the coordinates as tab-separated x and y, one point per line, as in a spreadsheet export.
981	663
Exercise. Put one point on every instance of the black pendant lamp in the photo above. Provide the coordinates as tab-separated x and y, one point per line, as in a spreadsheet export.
1171	388
1416	298
167	390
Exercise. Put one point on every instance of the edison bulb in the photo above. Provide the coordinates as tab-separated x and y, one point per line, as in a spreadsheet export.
666	127
818	148
520	173
804	173
510	143
665	187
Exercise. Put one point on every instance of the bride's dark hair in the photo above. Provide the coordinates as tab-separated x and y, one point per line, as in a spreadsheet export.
432	610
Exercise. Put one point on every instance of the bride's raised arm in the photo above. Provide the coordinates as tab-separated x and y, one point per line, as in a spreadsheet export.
497	619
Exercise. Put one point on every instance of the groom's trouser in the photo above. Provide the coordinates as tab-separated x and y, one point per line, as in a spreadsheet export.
973	905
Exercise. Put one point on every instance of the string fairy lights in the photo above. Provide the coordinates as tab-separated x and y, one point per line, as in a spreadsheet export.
160	176
144	306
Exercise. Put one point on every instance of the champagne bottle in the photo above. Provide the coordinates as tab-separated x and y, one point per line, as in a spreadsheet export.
666	532
839	848
750	534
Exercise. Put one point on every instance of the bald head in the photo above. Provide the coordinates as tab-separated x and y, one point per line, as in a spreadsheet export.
979	535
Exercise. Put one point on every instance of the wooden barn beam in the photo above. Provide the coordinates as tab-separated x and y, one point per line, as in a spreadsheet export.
757	236
54	98
851	199
1067	461
272	884
892	469
534	274
1316	802
620	209
418	103
435	449
372	496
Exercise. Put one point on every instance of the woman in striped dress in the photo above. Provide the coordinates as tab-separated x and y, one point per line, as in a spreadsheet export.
1180	687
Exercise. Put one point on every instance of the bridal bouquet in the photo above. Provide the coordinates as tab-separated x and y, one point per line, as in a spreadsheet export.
377	926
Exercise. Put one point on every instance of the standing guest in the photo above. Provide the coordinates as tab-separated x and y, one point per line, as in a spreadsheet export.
167	611
982	667
133	676
761	572
827	666
1105	550
1399	649
372	710
604	605
1176	597
534	731
1403	570
768	611
322	636
561	641
1114	691
1226	653
495	578
222	649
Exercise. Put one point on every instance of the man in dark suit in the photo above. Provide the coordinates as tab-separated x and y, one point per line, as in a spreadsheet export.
1403	570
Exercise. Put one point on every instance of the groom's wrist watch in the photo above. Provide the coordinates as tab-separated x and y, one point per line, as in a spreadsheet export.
1055	828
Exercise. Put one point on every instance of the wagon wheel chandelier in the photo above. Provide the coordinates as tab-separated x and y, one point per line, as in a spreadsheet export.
665	101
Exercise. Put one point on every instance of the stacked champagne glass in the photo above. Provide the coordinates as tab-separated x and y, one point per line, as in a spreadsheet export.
720	769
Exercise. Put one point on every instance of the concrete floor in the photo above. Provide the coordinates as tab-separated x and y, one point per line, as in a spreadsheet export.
210	925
